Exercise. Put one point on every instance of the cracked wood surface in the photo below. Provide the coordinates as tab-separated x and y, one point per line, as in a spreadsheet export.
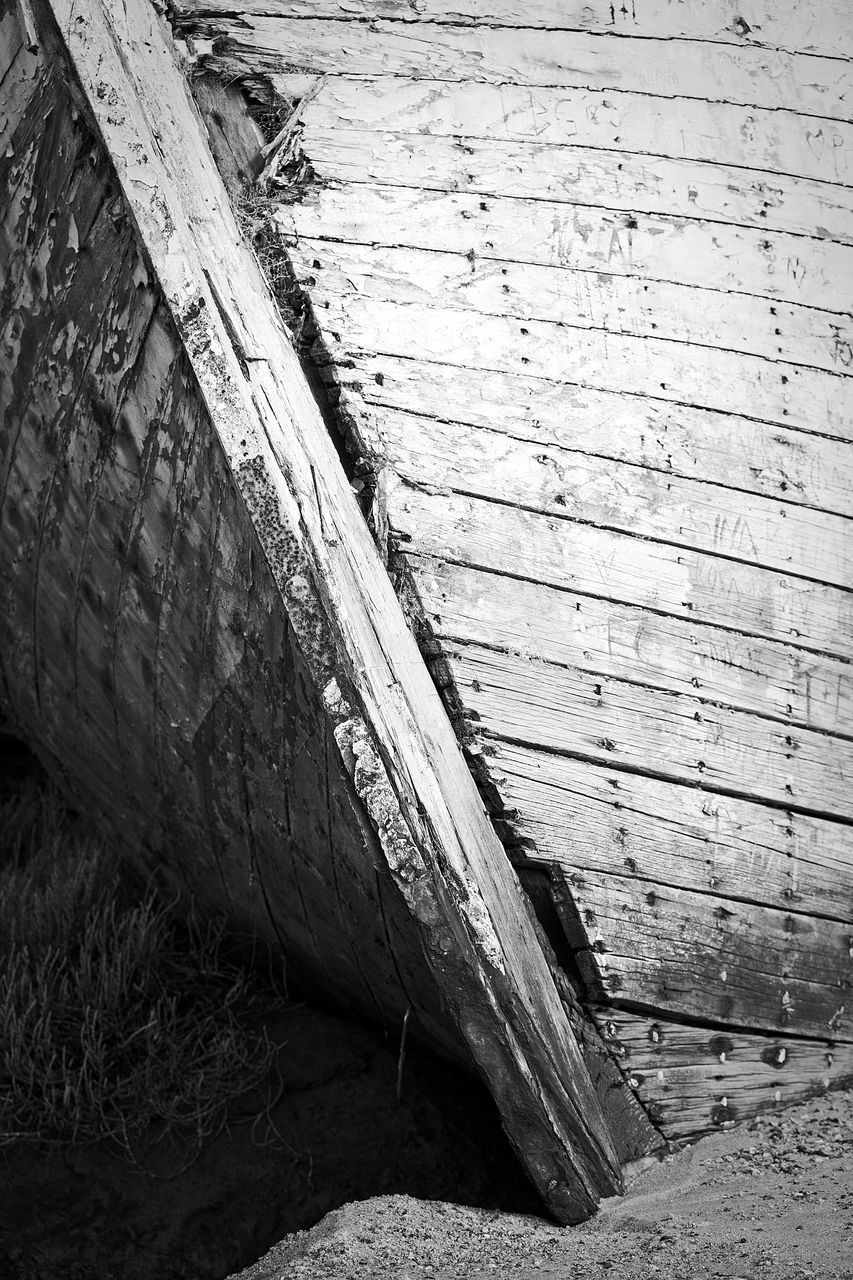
326	582
581	282
140	641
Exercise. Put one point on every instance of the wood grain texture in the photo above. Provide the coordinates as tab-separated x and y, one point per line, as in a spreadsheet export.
750	76
613	566
610	821
695	1080
767	264
601	637
138	624
580	291
619	304
780	393
641	123
685	953
584	176
614	495
621	723
788	26
392	734
687	440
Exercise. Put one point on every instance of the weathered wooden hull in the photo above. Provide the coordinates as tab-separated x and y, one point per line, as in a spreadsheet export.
605	428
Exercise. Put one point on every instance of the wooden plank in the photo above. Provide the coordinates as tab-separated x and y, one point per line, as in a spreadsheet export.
603	638
751	76
773	265
721	448
570	485
613	566
695	1080
582	299
583	176
781	393
824	29
605	820
640	123
448	866
679	952
19	81
625	725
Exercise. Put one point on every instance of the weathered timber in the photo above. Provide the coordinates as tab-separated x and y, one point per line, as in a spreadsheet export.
615	495
687	440
603	638
629	725
581	302
695	1080
767	264
752	76
782	393
391	732
689	953
716	132
614	566
116	503
584	176
610	821
789	25
619	304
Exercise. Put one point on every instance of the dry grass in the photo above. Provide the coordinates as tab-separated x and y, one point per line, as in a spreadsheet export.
120	1021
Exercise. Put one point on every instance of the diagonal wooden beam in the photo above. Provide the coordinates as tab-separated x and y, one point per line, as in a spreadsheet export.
391	728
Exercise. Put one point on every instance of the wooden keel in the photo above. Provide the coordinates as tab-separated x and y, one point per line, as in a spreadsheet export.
390	731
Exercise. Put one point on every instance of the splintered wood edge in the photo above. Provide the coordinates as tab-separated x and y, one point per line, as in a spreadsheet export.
395	739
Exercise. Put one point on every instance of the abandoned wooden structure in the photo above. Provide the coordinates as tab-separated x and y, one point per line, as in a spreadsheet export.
425	486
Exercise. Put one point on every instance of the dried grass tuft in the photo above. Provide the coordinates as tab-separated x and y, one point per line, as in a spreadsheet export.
120	1021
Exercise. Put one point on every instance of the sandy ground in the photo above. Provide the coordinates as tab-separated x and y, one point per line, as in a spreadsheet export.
770	1199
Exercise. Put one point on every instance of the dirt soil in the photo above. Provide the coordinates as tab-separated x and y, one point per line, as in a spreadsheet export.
336	1131
773	1199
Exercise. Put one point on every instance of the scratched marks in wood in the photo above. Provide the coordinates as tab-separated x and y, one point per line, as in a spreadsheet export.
619	304
623	724
694	955
597	385
749	76
781	393
143	646
779	141
584	176
614	566
772	264
693	1079
610	494
726	449
540	623
789	25
609	821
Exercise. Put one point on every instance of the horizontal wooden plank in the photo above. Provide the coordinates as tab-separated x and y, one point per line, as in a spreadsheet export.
722	448
694	1080
684	953
626	725
605	820
582	299
752	76
569	484
781	393
613	566
824	29
716	132
740	259
604	638
583	176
